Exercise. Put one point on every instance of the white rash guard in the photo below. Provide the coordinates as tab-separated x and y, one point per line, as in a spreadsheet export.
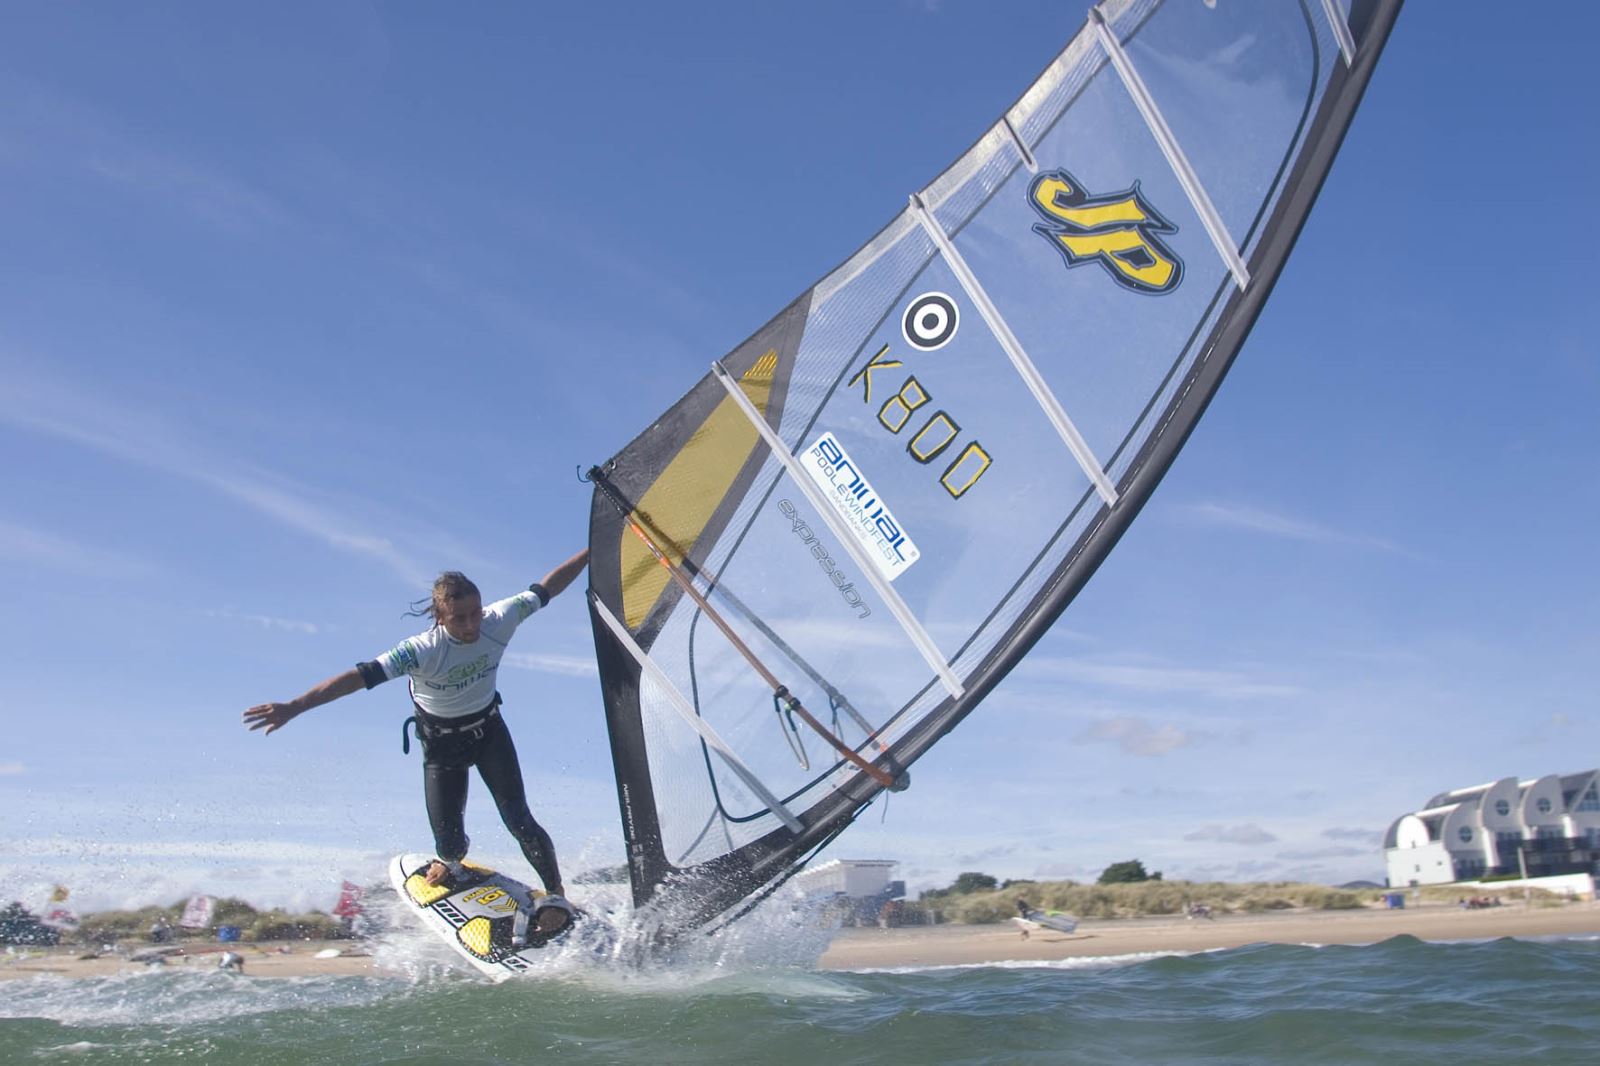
450	679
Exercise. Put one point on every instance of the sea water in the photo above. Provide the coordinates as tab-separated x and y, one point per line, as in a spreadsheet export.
1400	1001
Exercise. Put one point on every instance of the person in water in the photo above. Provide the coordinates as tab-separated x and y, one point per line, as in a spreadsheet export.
451	670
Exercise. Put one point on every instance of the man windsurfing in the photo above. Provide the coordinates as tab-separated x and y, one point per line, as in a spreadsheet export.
451	670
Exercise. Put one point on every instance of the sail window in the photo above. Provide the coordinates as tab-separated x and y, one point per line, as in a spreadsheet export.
1019	358
687	712
897	606
1170	148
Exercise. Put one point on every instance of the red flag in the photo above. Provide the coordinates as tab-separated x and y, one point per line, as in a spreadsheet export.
349	905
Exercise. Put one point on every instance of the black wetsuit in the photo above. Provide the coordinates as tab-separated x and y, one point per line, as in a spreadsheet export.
486	743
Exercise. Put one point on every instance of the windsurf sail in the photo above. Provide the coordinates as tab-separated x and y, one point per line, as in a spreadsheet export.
1060	921
197	912
57	915
824	555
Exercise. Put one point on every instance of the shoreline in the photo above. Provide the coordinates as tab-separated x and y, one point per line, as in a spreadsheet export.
973	945
915	947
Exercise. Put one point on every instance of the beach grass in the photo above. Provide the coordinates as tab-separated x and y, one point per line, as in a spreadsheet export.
1156	898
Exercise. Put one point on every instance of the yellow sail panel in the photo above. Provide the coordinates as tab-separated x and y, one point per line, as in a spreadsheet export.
682	500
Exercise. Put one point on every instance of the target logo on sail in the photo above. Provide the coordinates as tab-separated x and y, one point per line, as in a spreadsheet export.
930	322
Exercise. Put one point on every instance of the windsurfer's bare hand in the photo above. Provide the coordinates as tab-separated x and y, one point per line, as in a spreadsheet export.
270	716
274	716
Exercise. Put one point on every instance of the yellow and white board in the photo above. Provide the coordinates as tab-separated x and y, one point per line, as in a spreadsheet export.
474	917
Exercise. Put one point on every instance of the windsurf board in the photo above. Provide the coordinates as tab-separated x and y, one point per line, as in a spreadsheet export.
475	914
1037	920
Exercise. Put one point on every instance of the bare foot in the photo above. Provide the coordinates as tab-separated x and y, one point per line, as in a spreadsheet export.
436	873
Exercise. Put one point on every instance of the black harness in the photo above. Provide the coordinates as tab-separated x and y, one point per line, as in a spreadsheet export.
431	727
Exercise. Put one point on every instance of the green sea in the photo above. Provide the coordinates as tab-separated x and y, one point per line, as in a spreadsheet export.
759	999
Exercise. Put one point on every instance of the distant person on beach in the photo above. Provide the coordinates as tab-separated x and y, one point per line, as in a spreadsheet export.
451	670
1024	908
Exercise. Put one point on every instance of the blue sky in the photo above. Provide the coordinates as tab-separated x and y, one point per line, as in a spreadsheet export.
303	303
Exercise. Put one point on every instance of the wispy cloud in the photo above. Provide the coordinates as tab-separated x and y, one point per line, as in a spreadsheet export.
1366	836
999	852
1255	520
1138	736
1324	853
292	508
139	438
57	552
288	625
1067	871
66	136
12	769
564	665
212	196
1244	870
238	850
1146	677
1545	730
1232	834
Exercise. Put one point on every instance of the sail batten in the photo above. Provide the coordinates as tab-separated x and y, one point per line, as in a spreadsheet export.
694	721
847	538
868	495
1024	366
1184	171
1022	148
1341	31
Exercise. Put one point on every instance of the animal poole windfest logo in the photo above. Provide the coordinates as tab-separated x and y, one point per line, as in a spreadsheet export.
862	511
1120	231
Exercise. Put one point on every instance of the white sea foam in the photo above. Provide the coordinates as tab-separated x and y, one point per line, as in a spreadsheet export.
1087	962
772	950
178	997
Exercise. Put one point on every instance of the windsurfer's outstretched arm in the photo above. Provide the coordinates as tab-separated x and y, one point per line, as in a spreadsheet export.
565	574
274	716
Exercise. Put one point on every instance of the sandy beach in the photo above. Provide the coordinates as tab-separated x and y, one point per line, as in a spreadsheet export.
947	945
268	960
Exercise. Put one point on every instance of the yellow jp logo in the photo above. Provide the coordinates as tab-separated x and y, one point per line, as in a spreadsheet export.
1120	232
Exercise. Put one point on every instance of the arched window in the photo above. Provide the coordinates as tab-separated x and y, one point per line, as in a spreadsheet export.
1543	804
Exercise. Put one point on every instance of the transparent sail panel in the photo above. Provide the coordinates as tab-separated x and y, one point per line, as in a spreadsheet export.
968	412
1238	85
